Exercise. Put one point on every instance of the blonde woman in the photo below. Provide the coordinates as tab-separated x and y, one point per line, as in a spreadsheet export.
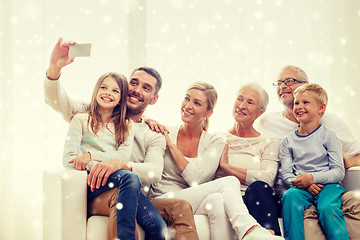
191	160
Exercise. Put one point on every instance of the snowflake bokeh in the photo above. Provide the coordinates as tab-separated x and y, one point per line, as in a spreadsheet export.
229	43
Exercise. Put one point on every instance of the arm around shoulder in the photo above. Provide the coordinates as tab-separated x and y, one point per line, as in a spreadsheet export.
150	170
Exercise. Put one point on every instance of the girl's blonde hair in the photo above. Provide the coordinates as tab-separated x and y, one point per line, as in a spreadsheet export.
119	116
211	96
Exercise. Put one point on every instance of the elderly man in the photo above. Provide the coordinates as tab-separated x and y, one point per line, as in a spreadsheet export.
280	124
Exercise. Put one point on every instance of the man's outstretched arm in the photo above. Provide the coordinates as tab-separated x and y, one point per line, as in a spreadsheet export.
55	96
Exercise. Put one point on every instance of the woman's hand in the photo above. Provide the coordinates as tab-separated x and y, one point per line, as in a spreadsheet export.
224	159
303	181
314	189
80	162
169	143
155	126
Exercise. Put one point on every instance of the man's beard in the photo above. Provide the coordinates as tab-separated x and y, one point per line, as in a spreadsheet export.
133	112
289	103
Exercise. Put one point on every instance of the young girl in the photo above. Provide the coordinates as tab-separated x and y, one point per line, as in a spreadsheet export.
104	133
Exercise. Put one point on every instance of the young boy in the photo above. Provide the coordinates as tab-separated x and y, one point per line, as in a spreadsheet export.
312	164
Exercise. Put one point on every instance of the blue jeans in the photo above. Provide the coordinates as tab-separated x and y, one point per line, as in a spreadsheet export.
132	205
327	202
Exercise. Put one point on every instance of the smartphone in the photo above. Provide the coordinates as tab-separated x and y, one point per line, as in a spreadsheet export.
80	50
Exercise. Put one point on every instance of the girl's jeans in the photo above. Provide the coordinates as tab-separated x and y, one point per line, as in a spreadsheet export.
132	205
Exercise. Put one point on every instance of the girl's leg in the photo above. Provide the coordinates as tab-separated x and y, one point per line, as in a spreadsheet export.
150	220
330	216
260	200
220	226
127	200
129	185
295	201
229	188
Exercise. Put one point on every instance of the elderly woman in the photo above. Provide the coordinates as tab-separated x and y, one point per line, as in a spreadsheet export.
252	157
191	160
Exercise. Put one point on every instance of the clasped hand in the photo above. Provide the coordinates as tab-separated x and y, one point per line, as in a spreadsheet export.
303	181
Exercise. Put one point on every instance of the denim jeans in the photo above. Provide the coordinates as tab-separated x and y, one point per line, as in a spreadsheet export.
132	205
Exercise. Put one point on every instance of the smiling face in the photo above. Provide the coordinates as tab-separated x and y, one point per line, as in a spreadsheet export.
108	95
306	108
194	107
142	88
284	92
247	106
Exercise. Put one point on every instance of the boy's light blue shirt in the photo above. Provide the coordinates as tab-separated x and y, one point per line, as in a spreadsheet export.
318	153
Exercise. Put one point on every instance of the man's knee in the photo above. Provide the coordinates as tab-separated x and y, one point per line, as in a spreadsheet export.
172	209
350	204
181	205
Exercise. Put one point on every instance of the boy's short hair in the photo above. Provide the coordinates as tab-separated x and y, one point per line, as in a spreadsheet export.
319	93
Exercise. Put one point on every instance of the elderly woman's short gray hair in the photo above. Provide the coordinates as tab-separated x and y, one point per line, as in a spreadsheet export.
264	97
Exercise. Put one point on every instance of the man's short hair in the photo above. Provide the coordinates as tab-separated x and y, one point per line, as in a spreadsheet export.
301	73
152	72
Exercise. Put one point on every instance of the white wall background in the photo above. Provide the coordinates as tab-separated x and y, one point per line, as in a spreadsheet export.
225	42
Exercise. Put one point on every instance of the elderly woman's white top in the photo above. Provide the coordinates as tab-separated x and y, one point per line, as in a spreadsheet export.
259	155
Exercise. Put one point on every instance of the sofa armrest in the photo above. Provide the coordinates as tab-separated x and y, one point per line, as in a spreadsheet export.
351	180
65	205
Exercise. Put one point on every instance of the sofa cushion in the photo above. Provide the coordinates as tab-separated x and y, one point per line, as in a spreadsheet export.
97	228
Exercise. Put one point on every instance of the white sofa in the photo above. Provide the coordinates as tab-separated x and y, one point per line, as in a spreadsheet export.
65	207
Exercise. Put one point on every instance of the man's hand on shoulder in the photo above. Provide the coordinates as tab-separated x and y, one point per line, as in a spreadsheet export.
155	126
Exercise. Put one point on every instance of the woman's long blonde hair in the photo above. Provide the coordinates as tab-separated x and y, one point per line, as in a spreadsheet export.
211	96
119	116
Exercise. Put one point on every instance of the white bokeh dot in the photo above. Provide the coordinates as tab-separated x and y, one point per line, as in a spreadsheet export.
119	206
208	206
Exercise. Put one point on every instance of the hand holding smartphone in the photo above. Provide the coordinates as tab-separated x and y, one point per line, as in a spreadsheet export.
80	50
